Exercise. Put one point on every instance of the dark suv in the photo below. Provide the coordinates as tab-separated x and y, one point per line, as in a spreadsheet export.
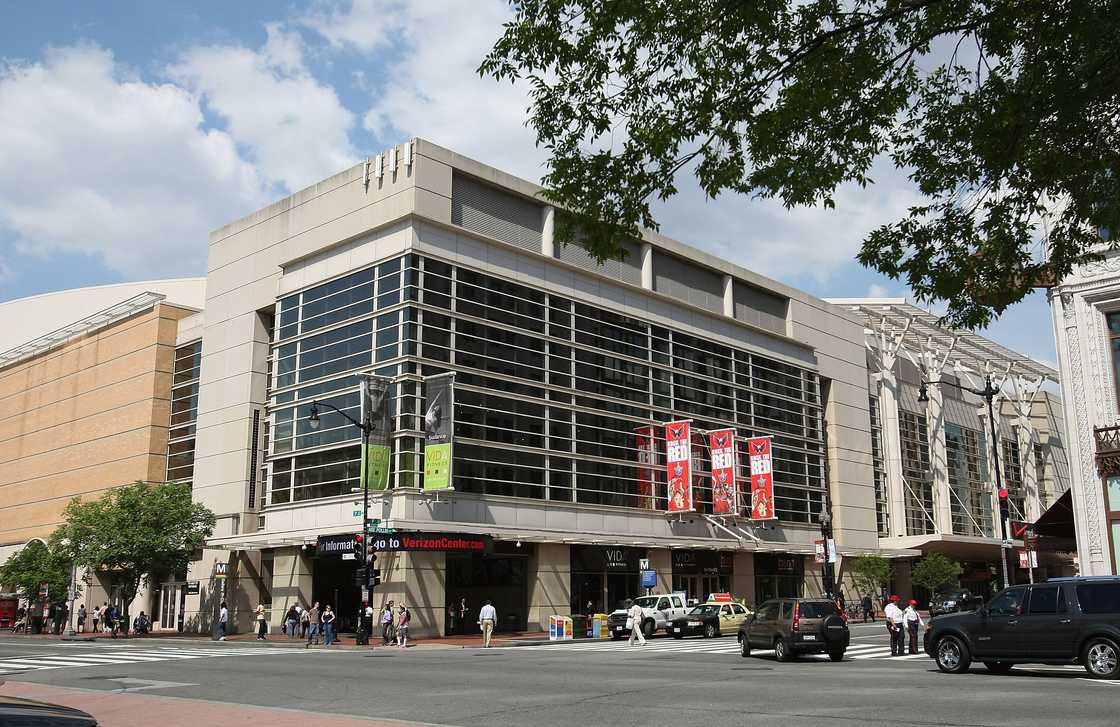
952	602
792	626
1061	621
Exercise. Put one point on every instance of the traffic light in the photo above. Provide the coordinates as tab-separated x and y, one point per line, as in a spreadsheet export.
360	548
1004	508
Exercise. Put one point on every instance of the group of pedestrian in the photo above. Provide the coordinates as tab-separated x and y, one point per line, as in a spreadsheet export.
903	622
394	621
457	617
303	623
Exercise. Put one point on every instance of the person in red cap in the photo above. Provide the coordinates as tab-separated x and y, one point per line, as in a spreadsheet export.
913	623
896	622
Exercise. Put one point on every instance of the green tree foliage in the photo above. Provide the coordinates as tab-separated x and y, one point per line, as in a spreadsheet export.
936	571
1001	113
135	532
870	573
33	565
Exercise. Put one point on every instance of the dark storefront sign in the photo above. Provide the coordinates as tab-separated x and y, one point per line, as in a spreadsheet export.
433	542
779	565
192	588
336	545
605	559
701	562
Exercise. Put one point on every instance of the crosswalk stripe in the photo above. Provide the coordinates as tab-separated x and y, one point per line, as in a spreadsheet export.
138	656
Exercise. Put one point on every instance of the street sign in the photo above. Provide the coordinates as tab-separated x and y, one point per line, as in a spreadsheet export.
649	579
818	550
643	563
383	531
192	588
220	569
373	522
349	556
1028	559
357	513
1008	543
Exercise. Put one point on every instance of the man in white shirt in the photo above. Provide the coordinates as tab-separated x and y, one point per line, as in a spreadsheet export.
895	624
635	615
487	617
223	622
913	623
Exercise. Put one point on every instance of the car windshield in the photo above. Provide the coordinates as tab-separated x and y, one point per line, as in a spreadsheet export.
646	601
817	609
704	609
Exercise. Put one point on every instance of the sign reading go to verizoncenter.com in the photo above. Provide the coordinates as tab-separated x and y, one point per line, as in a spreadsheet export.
437	542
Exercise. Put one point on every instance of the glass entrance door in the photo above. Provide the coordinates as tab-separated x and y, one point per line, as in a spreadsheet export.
172	597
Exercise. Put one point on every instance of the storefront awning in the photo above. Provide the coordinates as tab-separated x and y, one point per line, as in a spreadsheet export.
1057	521
959	547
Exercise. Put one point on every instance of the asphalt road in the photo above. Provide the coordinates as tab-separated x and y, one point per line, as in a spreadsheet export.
688	682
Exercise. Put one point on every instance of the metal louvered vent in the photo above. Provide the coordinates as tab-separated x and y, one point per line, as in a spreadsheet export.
494	213
626	270
681	279
759	307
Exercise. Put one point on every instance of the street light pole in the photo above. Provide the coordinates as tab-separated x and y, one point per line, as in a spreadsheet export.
988	393
68	633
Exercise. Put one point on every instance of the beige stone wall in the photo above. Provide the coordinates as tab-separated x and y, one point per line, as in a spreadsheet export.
550	586
86	416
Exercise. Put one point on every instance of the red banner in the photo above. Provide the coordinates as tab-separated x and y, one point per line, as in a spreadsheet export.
647	460
725	495
678	465
762	479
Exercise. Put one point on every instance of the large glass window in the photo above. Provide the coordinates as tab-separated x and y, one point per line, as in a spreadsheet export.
882	510
914	435
969	498
1013	478
184	412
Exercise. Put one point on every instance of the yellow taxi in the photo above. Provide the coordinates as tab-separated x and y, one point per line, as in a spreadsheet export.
717	616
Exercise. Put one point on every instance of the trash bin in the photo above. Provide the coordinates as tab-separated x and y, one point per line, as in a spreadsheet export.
579	625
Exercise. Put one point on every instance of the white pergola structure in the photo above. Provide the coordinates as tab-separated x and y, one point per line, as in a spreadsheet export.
897	329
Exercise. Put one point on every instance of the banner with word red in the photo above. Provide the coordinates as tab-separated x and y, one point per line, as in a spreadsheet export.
725	494
762	478
678	465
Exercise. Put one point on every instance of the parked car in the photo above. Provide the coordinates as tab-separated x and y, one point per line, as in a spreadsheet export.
657	611
954	601
27	713
1061	621
794	626
710	619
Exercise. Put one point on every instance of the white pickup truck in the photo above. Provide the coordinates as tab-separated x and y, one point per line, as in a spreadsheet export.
658	611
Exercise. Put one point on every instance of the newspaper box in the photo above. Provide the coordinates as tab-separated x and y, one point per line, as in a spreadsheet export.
597	626
559	628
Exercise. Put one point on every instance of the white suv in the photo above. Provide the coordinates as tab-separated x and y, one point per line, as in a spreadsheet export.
658	612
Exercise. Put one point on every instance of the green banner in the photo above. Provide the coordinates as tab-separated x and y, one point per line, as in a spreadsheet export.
437	466
439	431
375	465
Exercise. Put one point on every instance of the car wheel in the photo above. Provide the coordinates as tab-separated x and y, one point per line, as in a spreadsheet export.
781	651
678	636
648	629
998	667
744	646
616	636
709	631
952	655
1101	659
836	655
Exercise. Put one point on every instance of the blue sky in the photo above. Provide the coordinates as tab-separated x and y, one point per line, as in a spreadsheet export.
129	130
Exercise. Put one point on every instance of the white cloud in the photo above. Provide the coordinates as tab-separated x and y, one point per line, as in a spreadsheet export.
428	85
365	25
293	127
877	291
96	161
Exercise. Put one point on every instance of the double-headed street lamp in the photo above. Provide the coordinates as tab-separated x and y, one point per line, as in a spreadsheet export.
988	393
367	426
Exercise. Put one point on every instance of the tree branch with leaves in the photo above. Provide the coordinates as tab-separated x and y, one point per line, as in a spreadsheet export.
1016	149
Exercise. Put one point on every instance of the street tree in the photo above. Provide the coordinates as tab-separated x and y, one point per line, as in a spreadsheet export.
936	571
135	532
1004	115
870	574
33	565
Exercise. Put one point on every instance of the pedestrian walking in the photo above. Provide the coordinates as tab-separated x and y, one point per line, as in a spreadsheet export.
367	623
291	622
223	622
913	624
81	618
262	622
105	617
328	626
403	619
487	617
111	618
634	616
463	615
305	622
453	618
314	624
895	624
387	624
868	609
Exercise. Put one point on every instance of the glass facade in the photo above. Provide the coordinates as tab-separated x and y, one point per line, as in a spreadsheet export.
882	509
1013	478
184	412
914	435
969	496
550	391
